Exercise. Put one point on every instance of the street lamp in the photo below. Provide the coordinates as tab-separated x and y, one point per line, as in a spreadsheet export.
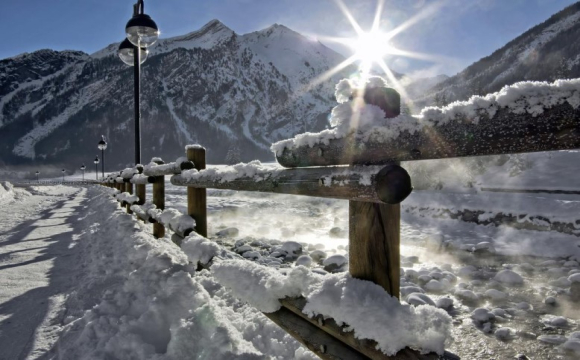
83	169
96	167
142	32
37	176
62	175
102	146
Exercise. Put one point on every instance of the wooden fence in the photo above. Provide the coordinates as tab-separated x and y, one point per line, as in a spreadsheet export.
374	194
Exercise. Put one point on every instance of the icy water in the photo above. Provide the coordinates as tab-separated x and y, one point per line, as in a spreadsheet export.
431	251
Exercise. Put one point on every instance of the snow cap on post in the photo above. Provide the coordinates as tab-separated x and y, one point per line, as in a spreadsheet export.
193	146
376	92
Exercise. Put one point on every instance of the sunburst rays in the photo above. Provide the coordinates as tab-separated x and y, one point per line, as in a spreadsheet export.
372	47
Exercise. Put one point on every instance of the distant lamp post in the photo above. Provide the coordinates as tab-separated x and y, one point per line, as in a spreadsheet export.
102	146
37	173
62	175
96	167
142	32
83	169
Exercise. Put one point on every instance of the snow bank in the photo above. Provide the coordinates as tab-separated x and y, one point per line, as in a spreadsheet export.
6	192
139	298
367	122
368	310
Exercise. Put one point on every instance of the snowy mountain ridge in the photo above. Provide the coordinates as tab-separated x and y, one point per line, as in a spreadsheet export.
546	52
211	86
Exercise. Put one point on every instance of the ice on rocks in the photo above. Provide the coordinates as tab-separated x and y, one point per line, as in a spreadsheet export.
574	278
335	263
252	255
495	295
417	299
572	345
505	333
444	303
466	295
550	300
556	321
228	232
552	339
434	286
523	305
467	271
318	255
406	290
561	282
244	248
482	315
304	260
509	277
292	248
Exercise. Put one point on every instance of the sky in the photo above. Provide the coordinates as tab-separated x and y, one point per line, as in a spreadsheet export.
452	33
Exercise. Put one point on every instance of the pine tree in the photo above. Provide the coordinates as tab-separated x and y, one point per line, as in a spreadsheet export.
233	155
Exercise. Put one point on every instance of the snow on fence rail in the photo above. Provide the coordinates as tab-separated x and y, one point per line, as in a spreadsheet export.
362	183
525	117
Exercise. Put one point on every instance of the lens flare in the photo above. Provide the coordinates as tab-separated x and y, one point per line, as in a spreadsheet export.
374	46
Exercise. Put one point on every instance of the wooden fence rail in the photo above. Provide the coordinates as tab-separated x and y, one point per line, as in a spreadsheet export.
558	128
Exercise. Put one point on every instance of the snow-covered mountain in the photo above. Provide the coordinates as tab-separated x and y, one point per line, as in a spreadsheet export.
546	52
211	86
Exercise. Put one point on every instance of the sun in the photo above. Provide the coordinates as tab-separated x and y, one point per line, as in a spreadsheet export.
372	46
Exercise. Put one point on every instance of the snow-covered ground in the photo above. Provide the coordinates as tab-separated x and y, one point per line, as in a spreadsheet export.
81	279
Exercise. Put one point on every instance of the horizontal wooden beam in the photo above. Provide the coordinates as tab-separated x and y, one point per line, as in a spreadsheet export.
142	179
533	191
366	347
327	339
390	184
168	169
557	128
319	342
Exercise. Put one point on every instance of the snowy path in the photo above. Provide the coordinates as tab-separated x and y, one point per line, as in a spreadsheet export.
37	256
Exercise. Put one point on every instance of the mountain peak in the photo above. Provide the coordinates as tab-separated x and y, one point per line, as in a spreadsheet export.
214	24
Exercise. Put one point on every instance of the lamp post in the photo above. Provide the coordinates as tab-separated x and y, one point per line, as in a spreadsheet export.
96	167
102	146
142	32
37	176
83	169
62	175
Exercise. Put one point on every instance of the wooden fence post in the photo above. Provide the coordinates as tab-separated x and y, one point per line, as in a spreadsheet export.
196	197
159	201
374	237
141	193
129	189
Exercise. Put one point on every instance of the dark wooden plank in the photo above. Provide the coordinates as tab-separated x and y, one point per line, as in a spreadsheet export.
168	169
319	342
129	189
197	197
558	128
532	191
141	193
365	347
159	202
374	239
